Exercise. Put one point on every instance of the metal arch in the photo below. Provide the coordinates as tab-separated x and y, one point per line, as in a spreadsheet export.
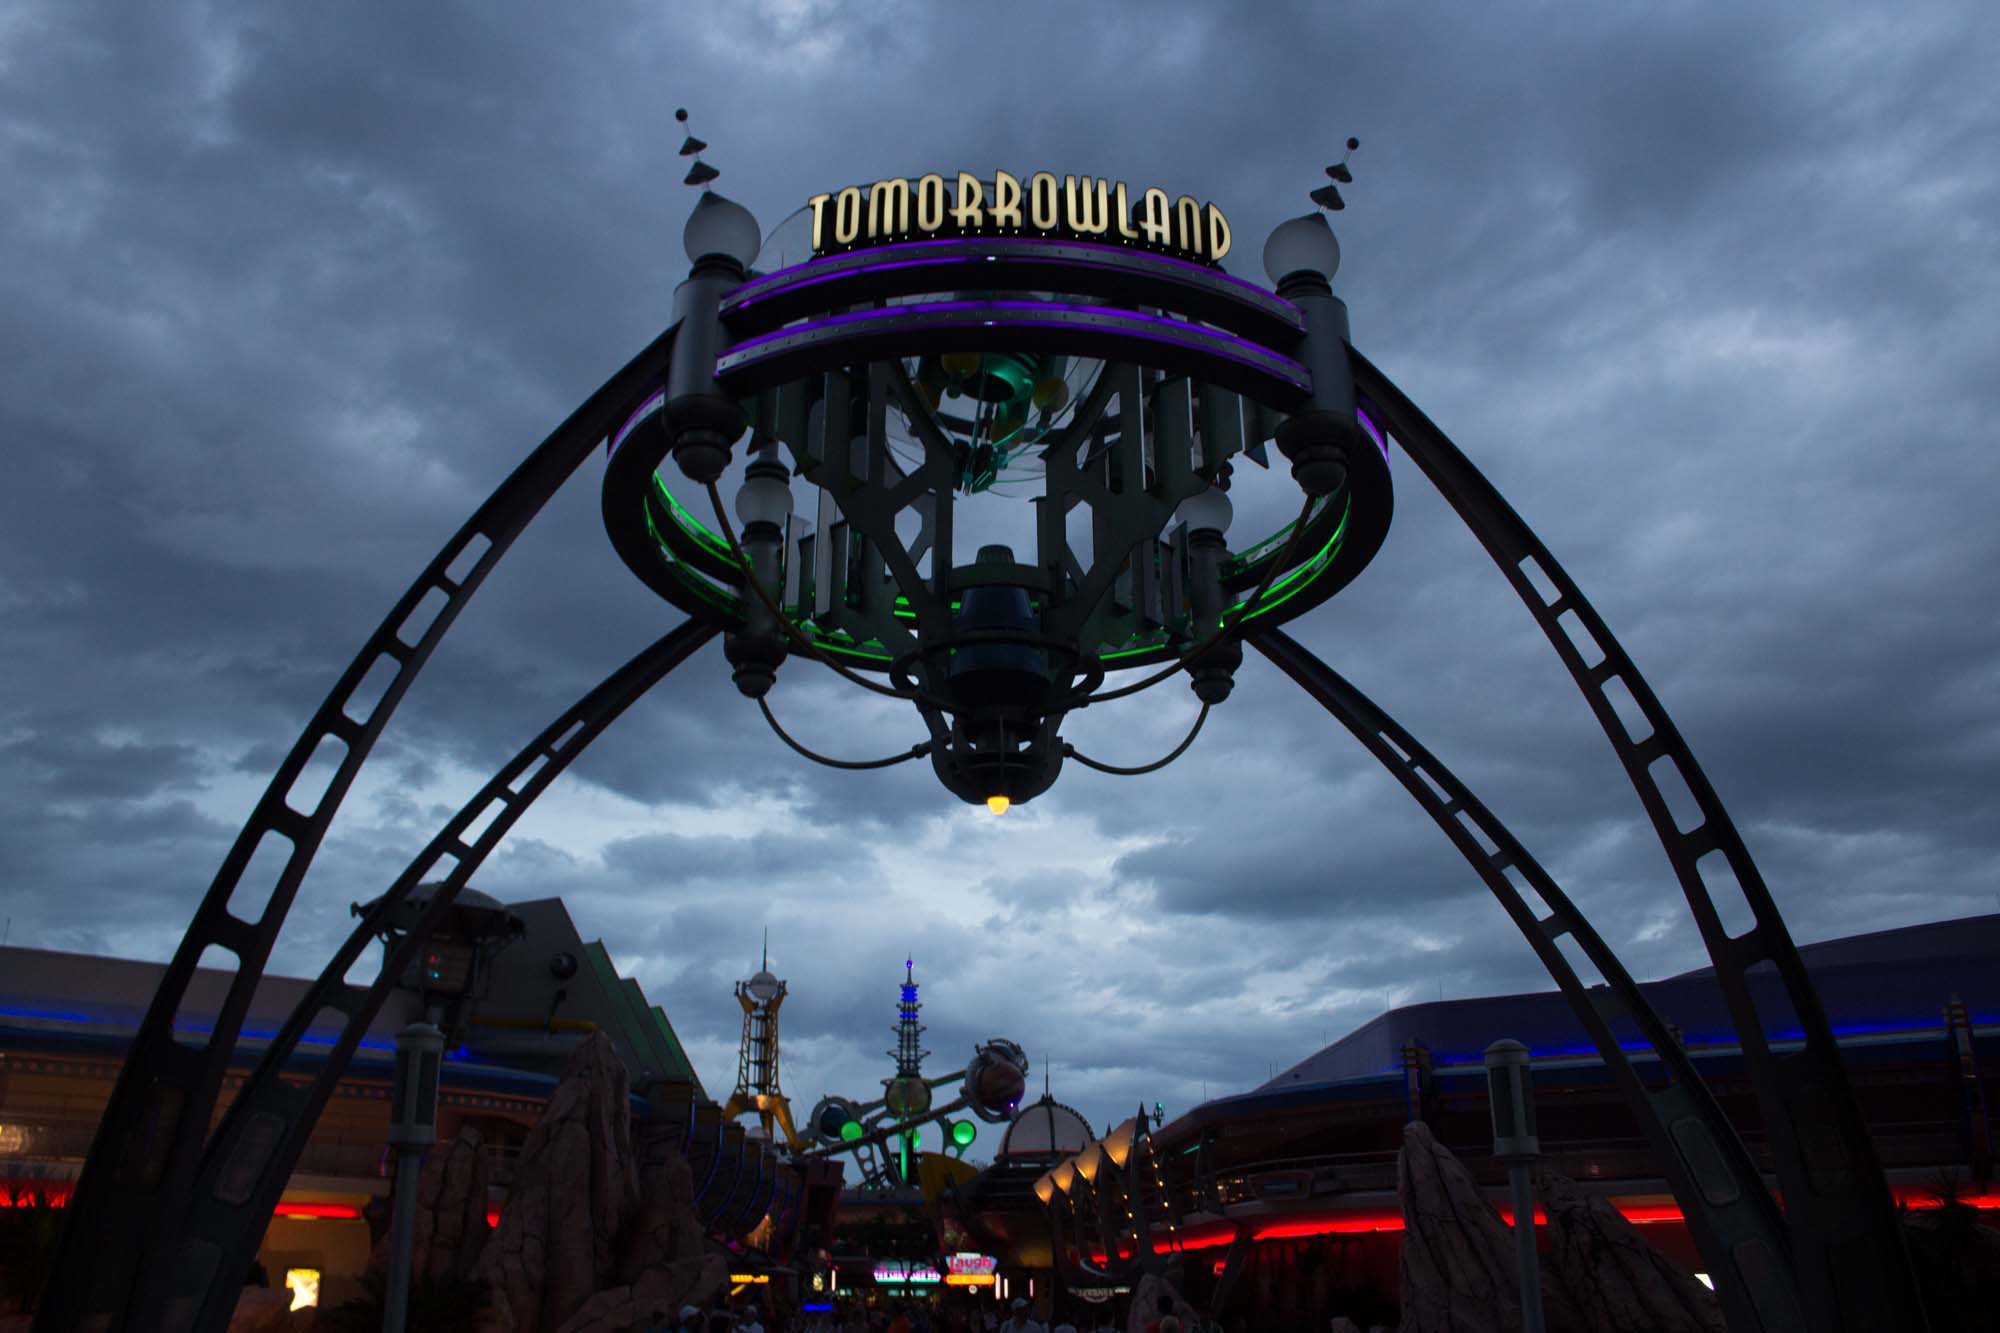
1734	1220
1853	1266
244	1171
143	1158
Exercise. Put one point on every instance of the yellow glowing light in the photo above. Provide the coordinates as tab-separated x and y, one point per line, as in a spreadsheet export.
998	804
304	1284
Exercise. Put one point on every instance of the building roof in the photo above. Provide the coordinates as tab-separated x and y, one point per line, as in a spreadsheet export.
1890	980
1046	1129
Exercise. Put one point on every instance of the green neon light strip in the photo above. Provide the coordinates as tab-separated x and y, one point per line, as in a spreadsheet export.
692	525
840	641
834	641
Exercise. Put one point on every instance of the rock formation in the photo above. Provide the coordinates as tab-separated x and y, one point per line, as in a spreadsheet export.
1458	1270
595	1236
1623	1284
1146	1297
451	1227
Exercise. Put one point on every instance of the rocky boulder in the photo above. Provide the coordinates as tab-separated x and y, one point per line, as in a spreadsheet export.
663	1229
575	1190
1458	1271
450	1227
1623	1283
1147	1297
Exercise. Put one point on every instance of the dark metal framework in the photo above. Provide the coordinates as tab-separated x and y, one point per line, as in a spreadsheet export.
166	1213
1735	1223
1853	1271
122	1243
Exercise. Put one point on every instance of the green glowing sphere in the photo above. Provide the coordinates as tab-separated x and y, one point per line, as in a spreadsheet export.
963	1133
851	1130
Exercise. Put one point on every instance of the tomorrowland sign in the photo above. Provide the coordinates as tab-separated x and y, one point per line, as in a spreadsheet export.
1076	208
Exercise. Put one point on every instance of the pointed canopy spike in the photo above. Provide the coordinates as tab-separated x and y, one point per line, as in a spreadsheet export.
700	173
1338	171
691	145
1328	197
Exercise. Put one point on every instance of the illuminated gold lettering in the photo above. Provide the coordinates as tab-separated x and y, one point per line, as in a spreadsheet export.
1006	210
1159	219
1091	216
971	210
1080	206
888	208
1187	217
818	205
847	215
930	202
1042	202
1124	215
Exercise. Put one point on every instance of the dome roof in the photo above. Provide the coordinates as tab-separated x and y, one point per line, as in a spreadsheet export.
1046	1129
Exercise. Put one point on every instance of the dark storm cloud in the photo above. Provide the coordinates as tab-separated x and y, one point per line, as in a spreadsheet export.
1707	293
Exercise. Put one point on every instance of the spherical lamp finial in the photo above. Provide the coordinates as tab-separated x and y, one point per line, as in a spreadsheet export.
1305	244
1209	510
720	226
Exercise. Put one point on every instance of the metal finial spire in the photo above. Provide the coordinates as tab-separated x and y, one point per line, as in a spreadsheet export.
700	173
1328	196
765	965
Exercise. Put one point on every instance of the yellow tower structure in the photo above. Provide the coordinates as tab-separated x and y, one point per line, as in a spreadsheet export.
757	1058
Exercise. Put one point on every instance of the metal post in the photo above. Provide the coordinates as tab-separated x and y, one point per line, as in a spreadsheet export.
1511	1099
412	1128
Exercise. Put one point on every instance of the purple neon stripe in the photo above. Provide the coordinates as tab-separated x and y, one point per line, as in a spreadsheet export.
1381	440
1023	241
816	279
1202	338
651	405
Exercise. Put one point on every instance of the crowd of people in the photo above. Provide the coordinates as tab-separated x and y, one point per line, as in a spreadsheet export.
912	1318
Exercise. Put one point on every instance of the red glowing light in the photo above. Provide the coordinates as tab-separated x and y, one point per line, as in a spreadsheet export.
340	1212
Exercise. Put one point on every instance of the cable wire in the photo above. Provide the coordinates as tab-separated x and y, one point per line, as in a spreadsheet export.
1070	751
914	752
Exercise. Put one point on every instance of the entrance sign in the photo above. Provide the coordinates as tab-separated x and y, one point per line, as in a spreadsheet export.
1081	208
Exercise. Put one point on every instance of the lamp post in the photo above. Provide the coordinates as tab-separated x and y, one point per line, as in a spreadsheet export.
445	974
1510	1095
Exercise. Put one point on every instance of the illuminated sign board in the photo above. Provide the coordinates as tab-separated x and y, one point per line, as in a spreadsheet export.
966	1264
1074	208
910	1273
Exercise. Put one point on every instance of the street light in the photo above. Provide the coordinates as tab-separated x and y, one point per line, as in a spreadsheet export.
1510	1095
448	972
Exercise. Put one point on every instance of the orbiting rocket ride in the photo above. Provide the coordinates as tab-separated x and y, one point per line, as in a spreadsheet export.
882	1134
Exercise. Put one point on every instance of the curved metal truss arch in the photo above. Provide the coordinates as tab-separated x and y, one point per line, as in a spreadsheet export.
1854	1274
139	1178
253	1151
1736	1224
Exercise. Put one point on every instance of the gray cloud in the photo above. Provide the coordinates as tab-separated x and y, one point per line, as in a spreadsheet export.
1707	294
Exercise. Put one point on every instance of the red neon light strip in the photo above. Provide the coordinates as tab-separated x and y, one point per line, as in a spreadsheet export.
1365	1220
344	1212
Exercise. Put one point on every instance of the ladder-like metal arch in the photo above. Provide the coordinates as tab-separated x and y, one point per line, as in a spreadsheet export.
254	1150
138	1180
1734	1220
1854	1273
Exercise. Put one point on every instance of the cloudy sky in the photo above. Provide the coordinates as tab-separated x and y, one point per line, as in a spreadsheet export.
1706	290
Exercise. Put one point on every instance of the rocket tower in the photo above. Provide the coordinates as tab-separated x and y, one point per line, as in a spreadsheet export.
757	1057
